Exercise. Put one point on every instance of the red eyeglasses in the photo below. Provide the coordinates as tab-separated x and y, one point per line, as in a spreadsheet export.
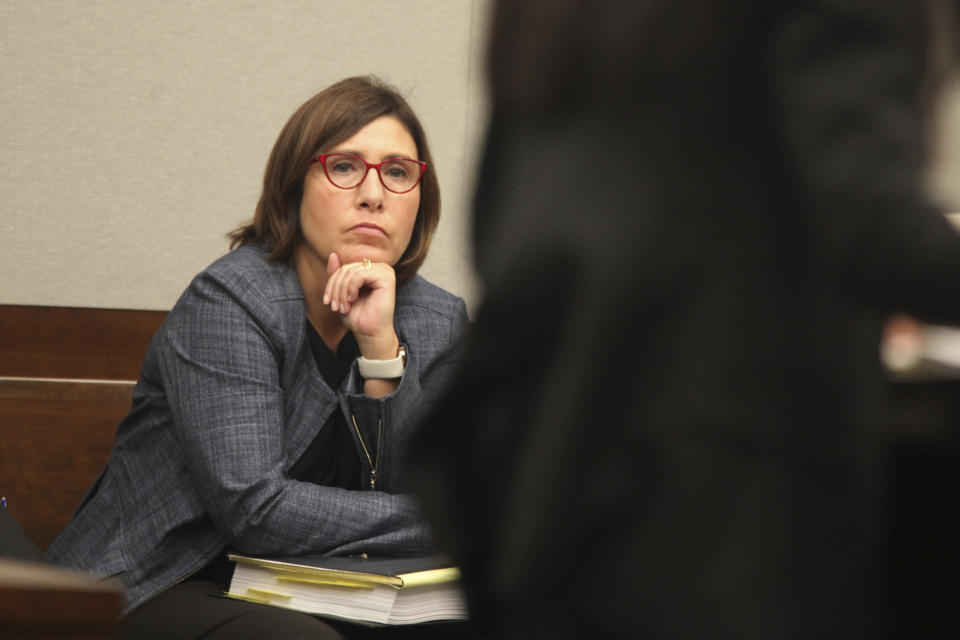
347	171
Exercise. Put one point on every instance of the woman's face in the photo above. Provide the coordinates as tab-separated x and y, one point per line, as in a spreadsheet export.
368	221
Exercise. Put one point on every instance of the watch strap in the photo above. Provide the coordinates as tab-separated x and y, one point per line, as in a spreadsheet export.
383	369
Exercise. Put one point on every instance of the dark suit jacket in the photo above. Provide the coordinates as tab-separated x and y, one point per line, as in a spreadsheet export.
690	216
228	400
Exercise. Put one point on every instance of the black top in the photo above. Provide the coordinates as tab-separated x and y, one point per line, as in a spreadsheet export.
331	459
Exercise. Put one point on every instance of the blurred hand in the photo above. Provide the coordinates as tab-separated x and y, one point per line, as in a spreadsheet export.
902	346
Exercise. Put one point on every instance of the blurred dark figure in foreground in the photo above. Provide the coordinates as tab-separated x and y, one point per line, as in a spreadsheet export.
690	220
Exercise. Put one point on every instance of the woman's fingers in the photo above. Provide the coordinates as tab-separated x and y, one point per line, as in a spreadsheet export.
333	264
344	284
357	277
364	294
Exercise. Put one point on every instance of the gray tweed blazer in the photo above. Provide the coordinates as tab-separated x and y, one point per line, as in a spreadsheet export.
228	399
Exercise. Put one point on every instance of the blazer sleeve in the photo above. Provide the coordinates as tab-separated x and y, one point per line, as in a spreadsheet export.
220	364
845	82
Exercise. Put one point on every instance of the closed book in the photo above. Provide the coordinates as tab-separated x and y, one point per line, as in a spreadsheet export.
385	591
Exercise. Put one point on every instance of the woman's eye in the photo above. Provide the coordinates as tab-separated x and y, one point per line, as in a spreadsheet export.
343	166
395	171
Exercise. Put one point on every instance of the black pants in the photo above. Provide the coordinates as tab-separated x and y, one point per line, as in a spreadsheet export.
196	609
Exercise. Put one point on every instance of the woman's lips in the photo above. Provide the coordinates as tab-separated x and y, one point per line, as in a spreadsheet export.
368	229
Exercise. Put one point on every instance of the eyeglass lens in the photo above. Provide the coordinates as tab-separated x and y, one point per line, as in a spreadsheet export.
399	174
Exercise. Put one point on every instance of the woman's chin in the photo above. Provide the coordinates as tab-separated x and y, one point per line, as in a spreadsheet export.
359	253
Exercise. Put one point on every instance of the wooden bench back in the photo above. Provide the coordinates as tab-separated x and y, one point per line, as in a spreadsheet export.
66	379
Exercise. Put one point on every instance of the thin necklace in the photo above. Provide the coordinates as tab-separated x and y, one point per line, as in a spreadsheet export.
373	463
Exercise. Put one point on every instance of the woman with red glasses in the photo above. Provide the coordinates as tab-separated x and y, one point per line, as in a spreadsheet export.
275	404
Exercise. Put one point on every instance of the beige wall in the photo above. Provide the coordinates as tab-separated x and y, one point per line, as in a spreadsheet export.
133	135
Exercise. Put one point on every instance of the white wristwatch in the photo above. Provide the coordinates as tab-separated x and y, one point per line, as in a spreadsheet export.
383	369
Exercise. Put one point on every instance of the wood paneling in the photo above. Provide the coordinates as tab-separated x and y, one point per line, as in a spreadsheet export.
66	380
56	437
68	342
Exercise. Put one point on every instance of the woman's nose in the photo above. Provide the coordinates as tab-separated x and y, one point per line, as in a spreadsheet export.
370	190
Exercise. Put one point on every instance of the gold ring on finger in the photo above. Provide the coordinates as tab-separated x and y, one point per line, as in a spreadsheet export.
365	263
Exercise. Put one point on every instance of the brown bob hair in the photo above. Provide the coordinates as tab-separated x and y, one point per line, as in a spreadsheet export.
325	120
